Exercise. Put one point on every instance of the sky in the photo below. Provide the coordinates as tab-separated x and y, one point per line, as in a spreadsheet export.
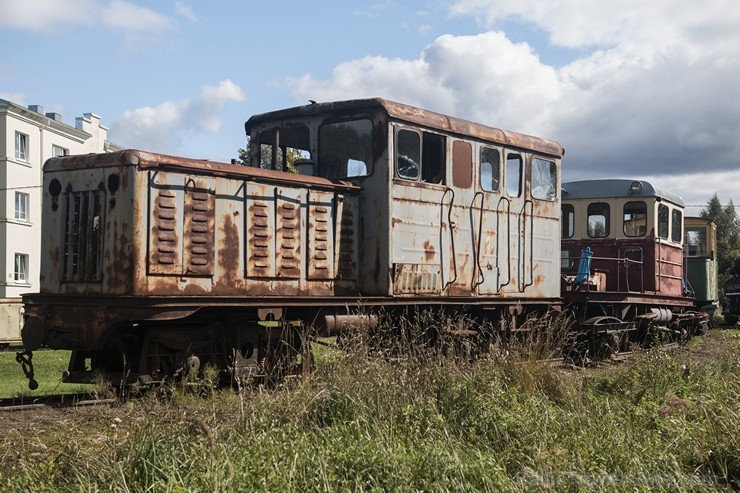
631	88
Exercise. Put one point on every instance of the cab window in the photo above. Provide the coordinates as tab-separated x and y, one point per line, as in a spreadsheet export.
544	180
676	226
635	218
663	221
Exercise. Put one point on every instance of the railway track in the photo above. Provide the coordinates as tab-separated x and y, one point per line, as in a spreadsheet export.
82	399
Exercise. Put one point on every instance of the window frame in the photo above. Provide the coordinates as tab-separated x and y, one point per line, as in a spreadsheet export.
25	201
676	222
607	219
20	268
570	223
431	164
514	161
663	229
495	184
550	168
22	146
55	148
640	232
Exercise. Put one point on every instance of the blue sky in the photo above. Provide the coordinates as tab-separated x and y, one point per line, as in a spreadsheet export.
632	89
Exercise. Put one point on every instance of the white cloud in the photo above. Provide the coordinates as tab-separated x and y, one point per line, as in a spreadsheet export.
185	11
132	18
162	128
653	90
48	15
40	15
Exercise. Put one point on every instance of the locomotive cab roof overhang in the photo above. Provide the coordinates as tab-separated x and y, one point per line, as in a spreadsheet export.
413	115
602	189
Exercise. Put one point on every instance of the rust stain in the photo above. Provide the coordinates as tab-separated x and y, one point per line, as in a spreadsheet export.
429	251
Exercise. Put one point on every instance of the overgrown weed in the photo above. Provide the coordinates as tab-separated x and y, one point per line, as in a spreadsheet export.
418	419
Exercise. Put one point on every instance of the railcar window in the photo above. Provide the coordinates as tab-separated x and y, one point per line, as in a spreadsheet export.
420	156
663	221
567	220
346	149
676	225
433	158
598	220
635	218
544	179
408	154
566	261
514	175
490	169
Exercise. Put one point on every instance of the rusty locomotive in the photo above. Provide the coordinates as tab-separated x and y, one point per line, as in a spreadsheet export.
157	264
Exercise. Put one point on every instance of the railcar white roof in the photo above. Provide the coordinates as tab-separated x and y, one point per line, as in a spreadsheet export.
615	188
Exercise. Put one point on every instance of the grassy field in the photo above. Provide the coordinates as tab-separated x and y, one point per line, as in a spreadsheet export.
48	367
666	420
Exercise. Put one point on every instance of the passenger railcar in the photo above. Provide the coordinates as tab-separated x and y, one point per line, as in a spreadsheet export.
622	261
153	264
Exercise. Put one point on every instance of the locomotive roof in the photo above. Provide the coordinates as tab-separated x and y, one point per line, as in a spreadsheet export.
418	116
612	188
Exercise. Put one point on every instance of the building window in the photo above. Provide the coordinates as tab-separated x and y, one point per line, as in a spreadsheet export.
58	151
21	268
21	206
21	146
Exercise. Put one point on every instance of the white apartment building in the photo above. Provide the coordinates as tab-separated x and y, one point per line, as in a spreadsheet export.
28	137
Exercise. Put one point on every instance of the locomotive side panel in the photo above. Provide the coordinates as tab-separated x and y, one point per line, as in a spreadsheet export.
229	237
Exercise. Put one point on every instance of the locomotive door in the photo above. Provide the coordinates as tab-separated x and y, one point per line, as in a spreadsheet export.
505	258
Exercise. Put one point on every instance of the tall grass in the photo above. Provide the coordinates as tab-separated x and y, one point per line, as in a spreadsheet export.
416	420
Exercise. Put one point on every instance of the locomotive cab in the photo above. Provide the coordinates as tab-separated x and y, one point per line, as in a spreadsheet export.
622	259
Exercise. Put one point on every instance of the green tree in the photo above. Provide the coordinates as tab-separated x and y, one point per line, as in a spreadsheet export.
291	156
728	238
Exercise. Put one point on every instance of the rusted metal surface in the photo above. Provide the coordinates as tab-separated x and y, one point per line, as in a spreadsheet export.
144	246
420	117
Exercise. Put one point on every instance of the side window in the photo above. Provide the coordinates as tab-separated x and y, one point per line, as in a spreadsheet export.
635	218
433	158
663	221
676	225
567	220
408	154
490	169
566	261
544	180
598	220
696	242
420	156
514	168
